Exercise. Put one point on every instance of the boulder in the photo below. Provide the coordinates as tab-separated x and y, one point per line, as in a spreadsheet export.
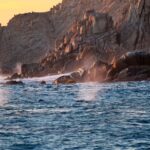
128	63
64	80
43	82
134	73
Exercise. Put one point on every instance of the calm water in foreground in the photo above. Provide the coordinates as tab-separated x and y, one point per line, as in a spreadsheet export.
88	116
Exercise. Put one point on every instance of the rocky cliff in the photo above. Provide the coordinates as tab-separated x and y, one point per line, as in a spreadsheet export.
29	37
135	31
88	40
74	31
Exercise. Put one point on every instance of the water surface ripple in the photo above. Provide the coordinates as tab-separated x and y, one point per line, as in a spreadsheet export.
88	116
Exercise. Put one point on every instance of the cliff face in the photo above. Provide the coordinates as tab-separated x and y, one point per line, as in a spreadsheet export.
57	38
29	37
87	40
135	32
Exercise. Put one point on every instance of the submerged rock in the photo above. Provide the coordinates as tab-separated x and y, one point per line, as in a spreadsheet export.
64	80
12	82
43	82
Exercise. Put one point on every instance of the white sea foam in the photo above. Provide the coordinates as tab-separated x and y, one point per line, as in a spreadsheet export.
45	78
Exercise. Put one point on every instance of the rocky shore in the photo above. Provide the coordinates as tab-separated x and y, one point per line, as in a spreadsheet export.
132	66
97	40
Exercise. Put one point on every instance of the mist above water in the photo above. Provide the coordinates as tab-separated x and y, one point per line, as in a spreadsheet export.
88	92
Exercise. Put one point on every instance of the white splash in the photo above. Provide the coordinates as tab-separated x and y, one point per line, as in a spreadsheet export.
2	79
88	92
3	97
18	68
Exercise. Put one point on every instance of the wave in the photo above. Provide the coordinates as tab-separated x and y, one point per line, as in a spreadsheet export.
44	78
49	78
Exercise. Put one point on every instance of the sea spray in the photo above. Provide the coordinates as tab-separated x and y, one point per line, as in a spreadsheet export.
17	68
49	78
88	92
3	97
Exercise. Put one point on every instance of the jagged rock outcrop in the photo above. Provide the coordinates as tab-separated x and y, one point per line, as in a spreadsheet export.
88	40
132	66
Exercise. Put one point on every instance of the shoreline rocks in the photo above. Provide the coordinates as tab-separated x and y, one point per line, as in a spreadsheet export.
13	82
132	66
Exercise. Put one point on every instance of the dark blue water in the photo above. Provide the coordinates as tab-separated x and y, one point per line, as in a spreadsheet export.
75	117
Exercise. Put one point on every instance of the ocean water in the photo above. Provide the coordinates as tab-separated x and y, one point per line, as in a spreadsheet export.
89	116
